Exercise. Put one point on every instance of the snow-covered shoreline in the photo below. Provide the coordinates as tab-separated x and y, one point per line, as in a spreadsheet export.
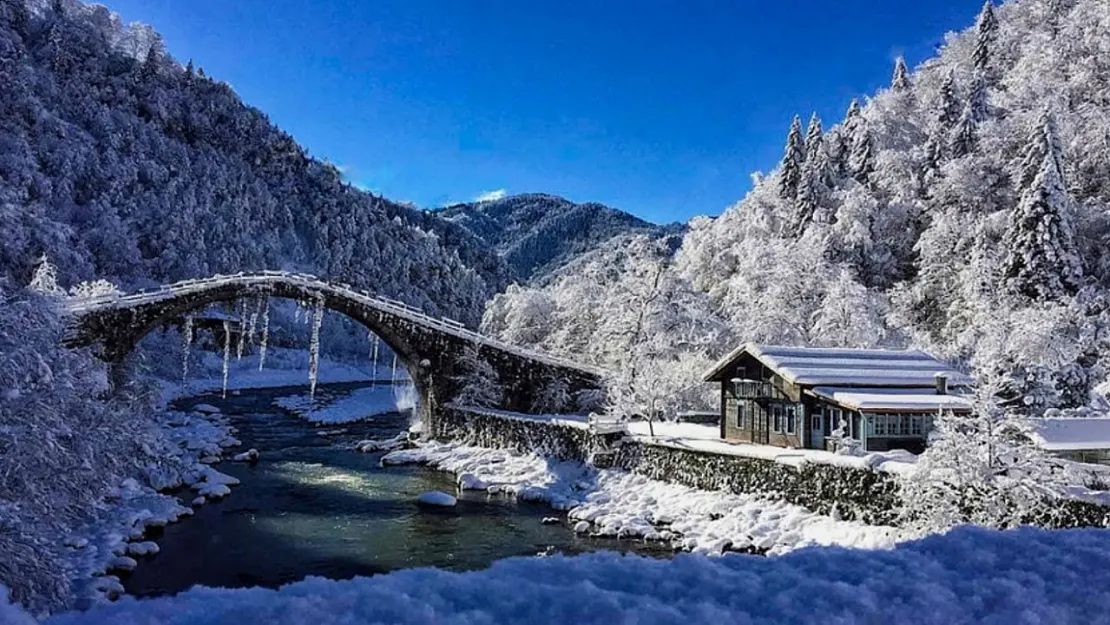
114	538
613	502
357	405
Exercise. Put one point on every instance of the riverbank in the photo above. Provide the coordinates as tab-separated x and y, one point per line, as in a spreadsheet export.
617	503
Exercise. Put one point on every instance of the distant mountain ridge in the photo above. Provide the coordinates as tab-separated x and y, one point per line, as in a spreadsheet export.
536	233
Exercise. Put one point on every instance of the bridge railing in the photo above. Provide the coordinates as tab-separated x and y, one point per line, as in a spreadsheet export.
384	304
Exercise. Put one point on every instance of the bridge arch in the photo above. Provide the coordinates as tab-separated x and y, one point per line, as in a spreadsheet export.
430	348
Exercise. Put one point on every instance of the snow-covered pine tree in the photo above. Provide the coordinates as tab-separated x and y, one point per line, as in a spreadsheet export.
977	98
790	169
962	141
45	278
986	31
840	144
816	181
861	152
1042	260
900	81
1044	142
480	383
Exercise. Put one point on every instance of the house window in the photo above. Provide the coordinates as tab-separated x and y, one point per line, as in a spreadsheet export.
741	416
791	419
815	420
776	418
835	417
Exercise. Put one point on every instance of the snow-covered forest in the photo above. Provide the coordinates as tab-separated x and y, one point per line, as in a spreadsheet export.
121	163
963	210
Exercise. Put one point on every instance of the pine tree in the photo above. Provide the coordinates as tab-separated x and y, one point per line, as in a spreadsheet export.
962	141
1044	143
977	98
790	170
840	152
986	30
1043	262
949	113
816	178
948	116
900	82
860	161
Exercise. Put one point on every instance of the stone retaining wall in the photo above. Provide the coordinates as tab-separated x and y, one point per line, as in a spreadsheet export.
856	494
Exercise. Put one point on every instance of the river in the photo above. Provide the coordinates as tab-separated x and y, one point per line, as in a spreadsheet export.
314	506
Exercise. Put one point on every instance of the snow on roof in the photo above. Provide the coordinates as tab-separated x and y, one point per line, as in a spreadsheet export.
1080	433
846	367
892	399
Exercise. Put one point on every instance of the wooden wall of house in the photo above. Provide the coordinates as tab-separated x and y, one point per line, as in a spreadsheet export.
758	414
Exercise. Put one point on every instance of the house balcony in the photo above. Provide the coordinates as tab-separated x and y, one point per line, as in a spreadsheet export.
751	389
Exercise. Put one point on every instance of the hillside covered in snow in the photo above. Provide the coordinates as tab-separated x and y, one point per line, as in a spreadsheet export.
964	210
119	162
537	233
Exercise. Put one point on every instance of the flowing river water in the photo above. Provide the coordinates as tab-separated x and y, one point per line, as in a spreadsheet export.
313	505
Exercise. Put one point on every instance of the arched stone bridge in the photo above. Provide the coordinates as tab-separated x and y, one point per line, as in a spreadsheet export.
429	347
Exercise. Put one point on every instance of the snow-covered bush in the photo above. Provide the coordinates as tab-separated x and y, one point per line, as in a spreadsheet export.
480	385
95	288
61	446
553	397
982	469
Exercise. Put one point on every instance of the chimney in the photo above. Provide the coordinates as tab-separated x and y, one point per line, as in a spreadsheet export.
942	382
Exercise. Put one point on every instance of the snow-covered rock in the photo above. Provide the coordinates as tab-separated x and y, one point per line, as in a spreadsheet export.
206	409
142	549
469	481
122	563
437	498
581	527
550	520
389	444
250	455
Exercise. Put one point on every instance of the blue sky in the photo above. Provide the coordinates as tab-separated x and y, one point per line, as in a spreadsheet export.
661	108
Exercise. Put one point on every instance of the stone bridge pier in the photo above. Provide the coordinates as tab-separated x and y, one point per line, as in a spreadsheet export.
430	348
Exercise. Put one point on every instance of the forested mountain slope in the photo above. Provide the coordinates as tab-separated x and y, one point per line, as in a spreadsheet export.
537	233
119	163
963	210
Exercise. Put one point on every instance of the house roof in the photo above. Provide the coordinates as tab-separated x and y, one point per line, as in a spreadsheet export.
1071	434
825	366
892	399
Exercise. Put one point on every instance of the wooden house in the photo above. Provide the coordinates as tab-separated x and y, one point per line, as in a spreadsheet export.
809	398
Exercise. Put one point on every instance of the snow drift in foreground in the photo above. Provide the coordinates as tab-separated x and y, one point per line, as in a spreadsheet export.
622	504
970	575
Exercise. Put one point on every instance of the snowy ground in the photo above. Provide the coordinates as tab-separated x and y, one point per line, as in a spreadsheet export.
708	438
356	405
967	576
114	539
617	503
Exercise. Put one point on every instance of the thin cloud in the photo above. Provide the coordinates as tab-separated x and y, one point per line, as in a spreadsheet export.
490	196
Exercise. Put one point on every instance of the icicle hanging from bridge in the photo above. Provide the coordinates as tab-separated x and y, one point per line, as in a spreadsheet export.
374	340
242	329
393	374
227	352
252	324
265	333
314	347
187	342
